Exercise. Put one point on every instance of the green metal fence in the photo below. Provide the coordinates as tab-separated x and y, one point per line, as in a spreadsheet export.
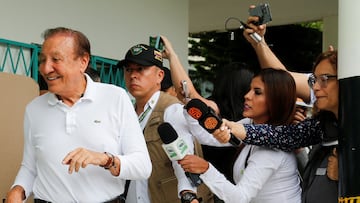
21	58
108	71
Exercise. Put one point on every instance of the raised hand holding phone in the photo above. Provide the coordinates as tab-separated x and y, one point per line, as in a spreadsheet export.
185	89
156	42
262	11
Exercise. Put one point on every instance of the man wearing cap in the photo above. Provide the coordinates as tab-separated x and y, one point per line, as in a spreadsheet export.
143	75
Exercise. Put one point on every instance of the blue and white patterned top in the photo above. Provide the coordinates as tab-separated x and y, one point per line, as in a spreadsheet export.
285	137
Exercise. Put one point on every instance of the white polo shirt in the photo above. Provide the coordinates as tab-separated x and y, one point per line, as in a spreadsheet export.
103	120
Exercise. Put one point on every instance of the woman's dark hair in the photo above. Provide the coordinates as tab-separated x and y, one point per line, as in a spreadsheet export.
166	83
230	87
280	95
331	55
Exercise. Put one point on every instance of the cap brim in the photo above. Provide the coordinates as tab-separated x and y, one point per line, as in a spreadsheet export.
123	62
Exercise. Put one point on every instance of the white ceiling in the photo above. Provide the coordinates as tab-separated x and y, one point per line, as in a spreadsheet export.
209	15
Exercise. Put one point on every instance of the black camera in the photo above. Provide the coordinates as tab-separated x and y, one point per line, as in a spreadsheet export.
263	12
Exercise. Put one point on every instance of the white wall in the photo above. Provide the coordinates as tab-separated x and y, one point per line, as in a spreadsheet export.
112	26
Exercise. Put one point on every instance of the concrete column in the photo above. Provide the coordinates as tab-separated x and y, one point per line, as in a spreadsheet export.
349	110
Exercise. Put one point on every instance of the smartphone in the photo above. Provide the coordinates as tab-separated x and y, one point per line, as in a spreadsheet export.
306	107
263	12
156	42
185	89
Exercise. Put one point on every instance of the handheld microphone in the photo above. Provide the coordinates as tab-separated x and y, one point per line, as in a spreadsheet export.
207	118
176	148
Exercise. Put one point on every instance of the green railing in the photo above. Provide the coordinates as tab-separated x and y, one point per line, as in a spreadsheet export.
21	58
108	71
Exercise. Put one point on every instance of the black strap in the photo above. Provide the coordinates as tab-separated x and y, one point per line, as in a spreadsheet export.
40	201
247	157
126	189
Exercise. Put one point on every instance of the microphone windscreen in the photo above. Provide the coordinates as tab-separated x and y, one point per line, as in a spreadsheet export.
167	133
196	108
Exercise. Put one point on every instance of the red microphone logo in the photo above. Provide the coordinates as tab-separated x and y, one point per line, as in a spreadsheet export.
194	112
210	123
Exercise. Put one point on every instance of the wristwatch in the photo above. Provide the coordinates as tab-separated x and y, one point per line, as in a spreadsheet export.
110	162
187	197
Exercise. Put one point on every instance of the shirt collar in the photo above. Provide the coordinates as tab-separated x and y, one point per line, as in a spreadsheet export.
89	93
153	100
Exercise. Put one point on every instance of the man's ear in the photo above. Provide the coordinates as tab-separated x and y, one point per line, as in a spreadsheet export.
85	60
161	75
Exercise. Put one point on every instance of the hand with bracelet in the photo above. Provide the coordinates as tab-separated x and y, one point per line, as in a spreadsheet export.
189	197
81	157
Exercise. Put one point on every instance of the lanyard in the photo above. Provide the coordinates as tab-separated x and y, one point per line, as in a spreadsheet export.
143	115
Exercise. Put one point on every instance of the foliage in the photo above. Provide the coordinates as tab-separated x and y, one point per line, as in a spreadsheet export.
315	25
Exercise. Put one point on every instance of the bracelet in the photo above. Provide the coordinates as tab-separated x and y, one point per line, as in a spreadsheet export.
187	197
110	162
